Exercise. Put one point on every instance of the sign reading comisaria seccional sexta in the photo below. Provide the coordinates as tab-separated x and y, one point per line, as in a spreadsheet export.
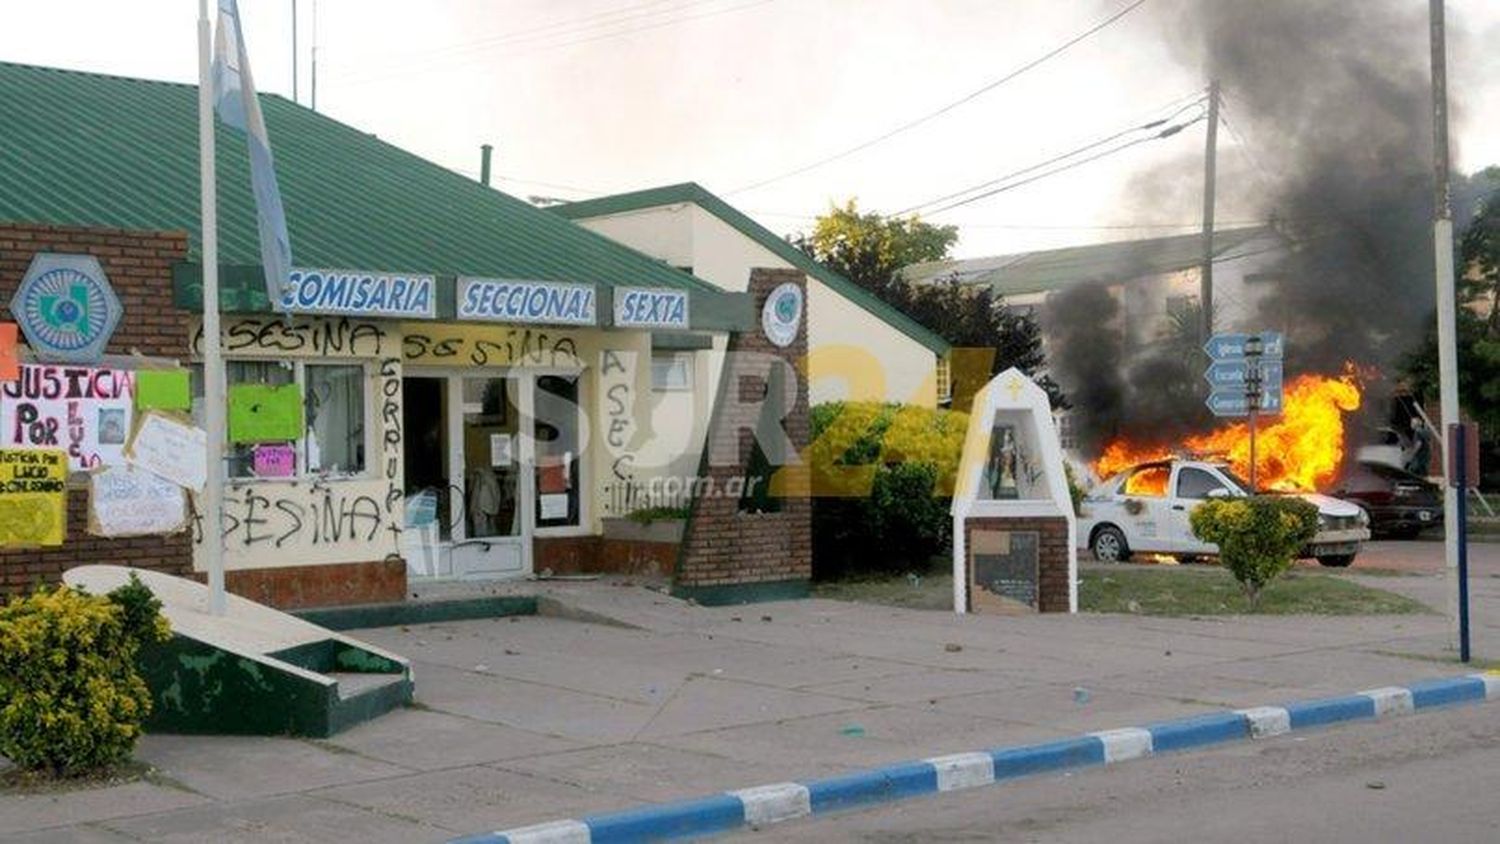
505	300
359	293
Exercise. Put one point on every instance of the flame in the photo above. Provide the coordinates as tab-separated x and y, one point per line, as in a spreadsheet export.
1298	452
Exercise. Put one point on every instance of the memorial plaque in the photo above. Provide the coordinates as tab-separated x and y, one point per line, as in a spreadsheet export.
1003	570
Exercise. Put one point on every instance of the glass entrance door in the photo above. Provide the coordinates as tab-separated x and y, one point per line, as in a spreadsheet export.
490	461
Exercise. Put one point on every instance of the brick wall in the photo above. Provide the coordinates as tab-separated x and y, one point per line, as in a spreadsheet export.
722	545
138	264
1052	586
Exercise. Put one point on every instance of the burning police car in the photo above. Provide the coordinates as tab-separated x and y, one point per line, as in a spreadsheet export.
1145	509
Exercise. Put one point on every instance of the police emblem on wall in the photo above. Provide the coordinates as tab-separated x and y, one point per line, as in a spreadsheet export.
782	314
66	308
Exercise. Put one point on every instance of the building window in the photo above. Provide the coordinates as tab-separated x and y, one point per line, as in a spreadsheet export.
671	371
333	416
558	417
334	412
944	381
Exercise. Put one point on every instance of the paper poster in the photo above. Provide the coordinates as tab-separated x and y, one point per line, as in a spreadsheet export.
10	365
33	497
276	460
174	449
261	413
85	411
130	501
162	389
500	454
554	506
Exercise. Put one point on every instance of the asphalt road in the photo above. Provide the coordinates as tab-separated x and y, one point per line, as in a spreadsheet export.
1427	777
1422	556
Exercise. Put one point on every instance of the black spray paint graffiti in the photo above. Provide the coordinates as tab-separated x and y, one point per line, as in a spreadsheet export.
618	396
391	438
319	336
521	345
289	513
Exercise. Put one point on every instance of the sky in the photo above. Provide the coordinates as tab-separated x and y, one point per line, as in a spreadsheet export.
588	97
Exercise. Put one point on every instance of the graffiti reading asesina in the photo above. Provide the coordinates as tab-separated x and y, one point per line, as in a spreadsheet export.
479	345
499	300
643	307
83	410
322	291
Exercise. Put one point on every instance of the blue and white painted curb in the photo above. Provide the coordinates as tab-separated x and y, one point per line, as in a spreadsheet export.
768	804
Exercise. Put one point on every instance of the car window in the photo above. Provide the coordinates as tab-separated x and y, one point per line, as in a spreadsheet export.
1148	481
1196	483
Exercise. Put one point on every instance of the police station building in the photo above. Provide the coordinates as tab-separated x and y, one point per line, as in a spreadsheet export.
455	385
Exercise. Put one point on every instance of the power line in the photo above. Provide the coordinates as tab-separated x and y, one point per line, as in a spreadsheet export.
385	73
591	20
911	124
1151	124
1165	133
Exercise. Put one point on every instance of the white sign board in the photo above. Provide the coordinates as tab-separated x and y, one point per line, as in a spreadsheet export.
82	410
175	450
128	501
508	300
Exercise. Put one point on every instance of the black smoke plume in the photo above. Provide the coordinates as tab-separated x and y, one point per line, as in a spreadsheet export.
1334	97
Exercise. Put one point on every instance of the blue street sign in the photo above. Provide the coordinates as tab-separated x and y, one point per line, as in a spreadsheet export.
1232	346
1231	373
1232	402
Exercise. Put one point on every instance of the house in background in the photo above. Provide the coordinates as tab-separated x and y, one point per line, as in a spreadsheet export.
1155	282
1154	279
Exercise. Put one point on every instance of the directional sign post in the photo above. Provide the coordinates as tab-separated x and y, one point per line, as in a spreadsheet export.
1244	377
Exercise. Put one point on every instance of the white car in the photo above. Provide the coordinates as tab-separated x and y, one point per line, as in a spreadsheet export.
1145	509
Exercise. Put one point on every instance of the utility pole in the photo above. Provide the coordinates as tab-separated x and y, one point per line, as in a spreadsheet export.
1210	175
294	51
1442	243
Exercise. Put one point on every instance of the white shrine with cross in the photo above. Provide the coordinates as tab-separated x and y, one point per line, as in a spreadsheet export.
1011	505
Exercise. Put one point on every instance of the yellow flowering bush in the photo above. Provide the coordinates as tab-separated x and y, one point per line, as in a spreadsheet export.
71	700
882	478
1258	537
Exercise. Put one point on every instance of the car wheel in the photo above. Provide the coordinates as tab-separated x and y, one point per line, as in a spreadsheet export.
1336	561
1109	545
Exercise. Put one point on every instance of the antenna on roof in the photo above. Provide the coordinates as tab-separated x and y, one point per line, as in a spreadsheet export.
315	56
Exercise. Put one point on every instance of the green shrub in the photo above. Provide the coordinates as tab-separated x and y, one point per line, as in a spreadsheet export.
883	479
647	515
1258	537
71	700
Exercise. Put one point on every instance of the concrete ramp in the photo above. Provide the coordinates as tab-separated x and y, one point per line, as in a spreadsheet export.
254	670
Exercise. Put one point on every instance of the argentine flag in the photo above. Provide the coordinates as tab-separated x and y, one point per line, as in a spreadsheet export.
237	106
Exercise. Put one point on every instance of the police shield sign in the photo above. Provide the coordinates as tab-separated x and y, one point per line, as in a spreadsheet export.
66	308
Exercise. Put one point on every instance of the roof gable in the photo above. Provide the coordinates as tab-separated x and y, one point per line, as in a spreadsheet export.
696	194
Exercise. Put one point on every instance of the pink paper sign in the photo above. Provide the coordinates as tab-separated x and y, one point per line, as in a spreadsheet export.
274	461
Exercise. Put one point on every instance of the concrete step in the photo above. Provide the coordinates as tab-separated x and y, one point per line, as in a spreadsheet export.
355	684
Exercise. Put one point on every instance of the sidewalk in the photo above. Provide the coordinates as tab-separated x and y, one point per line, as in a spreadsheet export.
522	720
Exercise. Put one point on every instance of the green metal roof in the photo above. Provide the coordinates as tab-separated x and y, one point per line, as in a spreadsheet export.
1051	269
696	194
86	149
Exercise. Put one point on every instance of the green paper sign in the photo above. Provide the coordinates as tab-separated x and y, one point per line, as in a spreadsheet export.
260	413
162	389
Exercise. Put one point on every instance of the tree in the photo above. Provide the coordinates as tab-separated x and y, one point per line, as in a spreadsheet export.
870	249
1478	323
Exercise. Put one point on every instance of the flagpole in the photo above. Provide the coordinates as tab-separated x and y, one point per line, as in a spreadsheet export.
213	362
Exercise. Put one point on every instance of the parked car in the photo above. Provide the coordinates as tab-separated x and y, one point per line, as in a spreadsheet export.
1145	509
1396	502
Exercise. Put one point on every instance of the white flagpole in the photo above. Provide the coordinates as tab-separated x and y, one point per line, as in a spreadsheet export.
213	362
